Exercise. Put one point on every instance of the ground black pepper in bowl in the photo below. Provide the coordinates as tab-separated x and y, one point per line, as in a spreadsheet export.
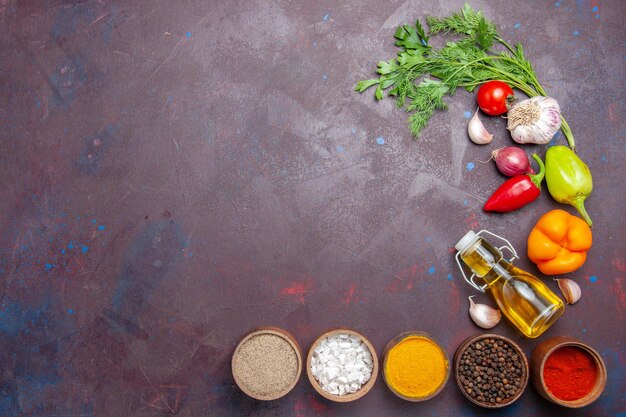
491	370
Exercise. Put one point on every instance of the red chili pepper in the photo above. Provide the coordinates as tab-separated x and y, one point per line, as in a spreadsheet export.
517	191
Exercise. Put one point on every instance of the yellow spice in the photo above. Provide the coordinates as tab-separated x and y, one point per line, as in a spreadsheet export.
416	367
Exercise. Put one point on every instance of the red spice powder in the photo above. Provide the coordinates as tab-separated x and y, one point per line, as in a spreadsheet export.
570	373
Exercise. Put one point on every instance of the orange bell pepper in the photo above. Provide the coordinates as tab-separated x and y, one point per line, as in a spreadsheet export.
559	242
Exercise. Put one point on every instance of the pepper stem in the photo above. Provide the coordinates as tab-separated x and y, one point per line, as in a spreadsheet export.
579	204
538	177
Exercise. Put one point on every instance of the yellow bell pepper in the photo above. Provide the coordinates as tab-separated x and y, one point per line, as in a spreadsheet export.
559	242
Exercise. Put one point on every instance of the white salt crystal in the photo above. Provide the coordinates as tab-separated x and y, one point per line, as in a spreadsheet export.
341	364
353	377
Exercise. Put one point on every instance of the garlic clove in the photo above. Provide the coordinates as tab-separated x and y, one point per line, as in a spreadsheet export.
570	289
483	315
477	132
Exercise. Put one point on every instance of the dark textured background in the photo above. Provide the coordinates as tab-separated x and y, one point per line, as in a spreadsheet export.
176	173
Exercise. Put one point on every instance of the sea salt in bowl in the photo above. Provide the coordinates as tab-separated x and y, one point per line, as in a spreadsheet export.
267	363
336	362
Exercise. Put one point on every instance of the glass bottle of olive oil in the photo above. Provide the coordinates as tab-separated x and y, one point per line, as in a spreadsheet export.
526	301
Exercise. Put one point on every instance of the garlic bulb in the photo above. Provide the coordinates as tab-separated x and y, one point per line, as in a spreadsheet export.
477	132
483	315
570	289
535	120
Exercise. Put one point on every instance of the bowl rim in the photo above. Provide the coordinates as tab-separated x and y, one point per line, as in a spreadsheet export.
559	342
364	388
476	337
397	340
284	334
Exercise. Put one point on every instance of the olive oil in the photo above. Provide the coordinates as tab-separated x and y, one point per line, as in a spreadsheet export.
526	301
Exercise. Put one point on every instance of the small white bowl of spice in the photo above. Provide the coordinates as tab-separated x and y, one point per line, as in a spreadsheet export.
267	363
342	365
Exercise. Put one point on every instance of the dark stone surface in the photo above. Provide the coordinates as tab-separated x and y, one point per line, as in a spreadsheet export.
176	173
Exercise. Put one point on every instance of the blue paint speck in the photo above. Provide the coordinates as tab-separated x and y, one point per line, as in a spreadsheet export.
326	16
449	277
325	77
584	330
94	221
603	158
49	267
188	34
70	245
575	33
102	227
470	166
517	25
70	311
84	248
593	278
314	44
598	16
465	202
557	4
354	130
380	140
190	254
63	251
467	114
37	102
339	148
594	9
431	270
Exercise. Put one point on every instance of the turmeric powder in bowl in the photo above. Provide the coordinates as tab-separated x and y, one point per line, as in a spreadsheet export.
415	367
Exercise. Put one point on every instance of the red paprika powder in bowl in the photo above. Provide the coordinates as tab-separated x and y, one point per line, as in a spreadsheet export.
568	372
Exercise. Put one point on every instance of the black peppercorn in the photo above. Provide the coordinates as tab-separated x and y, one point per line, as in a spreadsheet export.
491	372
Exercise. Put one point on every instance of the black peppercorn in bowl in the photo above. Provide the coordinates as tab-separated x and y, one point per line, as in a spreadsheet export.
490	370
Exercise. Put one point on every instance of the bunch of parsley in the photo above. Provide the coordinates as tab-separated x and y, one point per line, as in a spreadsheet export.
421	76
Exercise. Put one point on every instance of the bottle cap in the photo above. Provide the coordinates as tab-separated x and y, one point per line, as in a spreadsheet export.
469	238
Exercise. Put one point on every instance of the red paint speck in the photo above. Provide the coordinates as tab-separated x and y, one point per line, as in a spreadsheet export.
299	408
618	290
619	265
310	407
318	407
612	111
404	281
471	221
349	297
298	289
455	298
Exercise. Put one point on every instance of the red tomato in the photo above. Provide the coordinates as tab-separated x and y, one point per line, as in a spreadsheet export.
492	97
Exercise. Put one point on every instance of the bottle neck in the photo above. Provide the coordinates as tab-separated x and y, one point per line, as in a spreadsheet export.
482	258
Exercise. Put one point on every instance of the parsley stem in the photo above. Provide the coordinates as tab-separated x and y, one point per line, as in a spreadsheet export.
503	42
